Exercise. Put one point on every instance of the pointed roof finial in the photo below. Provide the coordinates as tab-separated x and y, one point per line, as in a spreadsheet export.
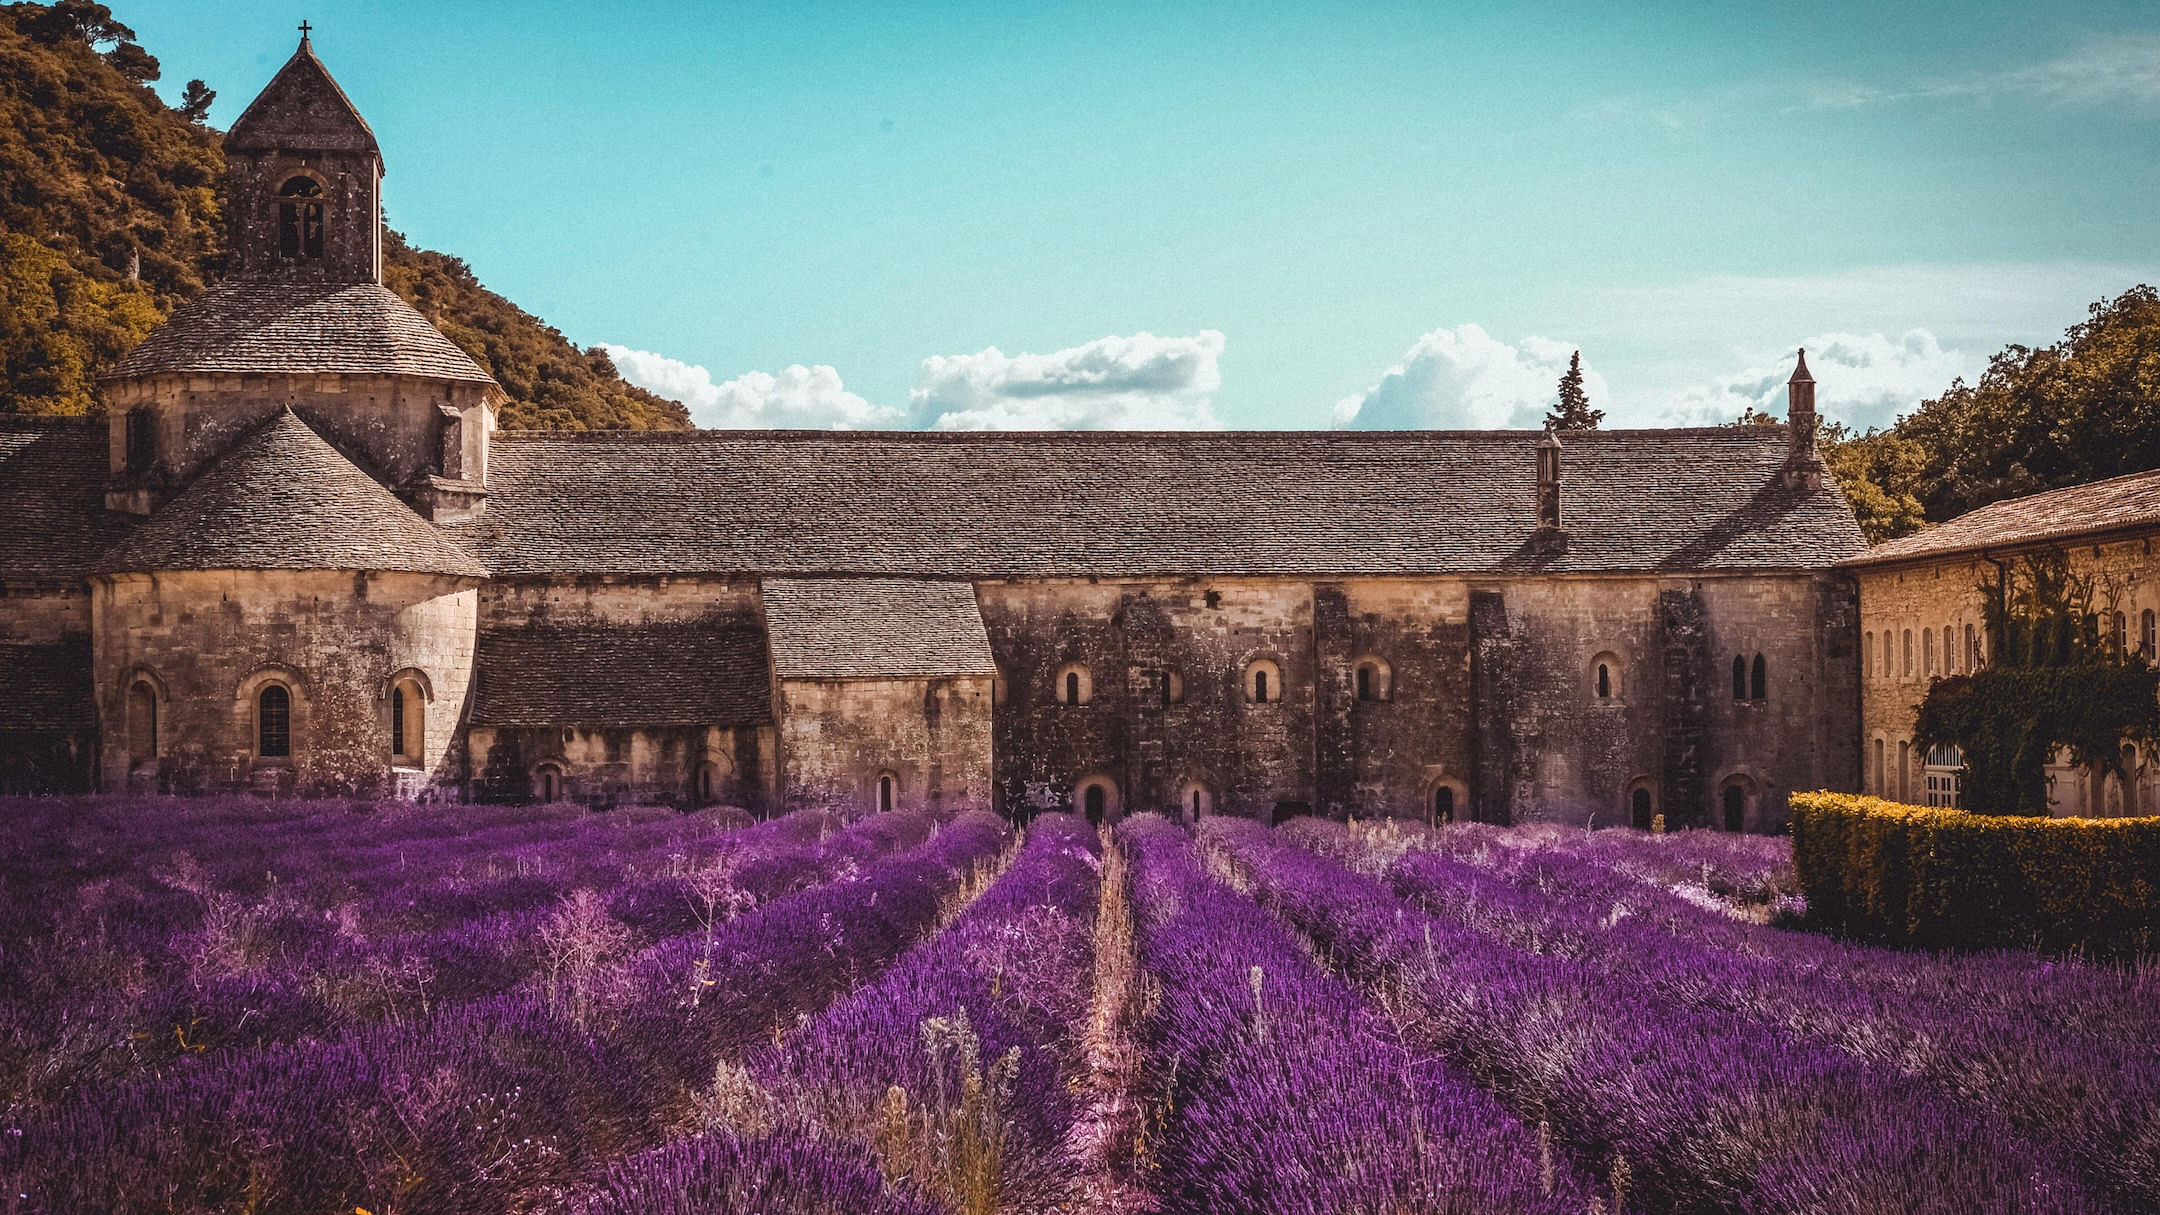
1800	373
304	28
1550	439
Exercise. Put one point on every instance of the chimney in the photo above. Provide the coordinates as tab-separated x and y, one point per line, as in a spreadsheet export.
1550	538
1803	467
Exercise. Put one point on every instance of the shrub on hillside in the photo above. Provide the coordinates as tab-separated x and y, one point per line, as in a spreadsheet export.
1945	878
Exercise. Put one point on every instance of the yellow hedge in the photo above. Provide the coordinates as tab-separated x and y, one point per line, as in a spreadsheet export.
1946	878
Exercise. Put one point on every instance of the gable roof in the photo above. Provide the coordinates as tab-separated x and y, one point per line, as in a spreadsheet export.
302	109
275	326
874	628
52	497
2115	504
284	499
968	506
708	673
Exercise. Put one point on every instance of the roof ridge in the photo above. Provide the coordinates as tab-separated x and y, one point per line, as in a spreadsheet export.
1767	435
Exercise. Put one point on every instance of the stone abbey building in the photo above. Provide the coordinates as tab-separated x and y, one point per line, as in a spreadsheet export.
296	556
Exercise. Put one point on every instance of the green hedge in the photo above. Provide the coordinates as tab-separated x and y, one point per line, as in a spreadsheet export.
1947	879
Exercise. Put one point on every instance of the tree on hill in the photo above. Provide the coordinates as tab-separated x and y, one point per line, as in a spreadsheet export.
1574	412
2083	409
112	214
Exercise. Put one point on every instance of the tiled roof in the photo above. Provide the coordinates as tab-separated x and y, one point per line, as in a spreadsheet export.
301	108
46	687
272	327
53	521
874	628
283	499
2061	514
1262	503
705	674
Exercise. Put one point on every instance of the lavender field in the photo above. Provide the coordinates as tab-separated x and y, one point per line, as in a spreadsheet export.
294	1007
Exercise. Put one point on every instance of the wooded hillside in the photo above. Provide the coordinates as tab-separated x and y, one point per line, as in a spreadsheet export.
111	215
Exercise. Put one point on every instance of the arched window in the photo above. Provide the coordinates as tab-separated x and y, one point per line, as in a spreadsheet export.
888	788
2148	638
705	784
1867	654
300	218
1759	680
1373	679
1263	682
139	447
1641	810
408	722
1170	688
1904	770
1739	677
1927	651
1906	667
1882	772
1605	682
273	722
2118	646
1949	651
1443	804
1972	650
1096	803
547	783
1074	685
1735	807
142	722
1195	801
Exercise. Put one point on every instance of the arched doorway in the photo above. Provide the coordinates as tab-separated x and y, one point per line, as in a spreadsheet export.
142	724
1096	803
1641	811
1443	805
1735	806
547	782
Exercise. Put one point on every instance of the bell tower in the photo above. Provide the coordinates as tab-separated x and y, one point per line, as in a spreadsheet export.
304	179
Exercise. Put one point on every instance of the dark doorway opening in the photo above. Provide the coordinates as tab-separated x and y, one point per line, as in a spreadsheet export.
1640	810
1093	800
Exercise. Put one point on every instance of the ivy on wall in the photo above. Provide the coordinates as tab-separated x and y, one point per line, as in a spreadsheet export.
2059	676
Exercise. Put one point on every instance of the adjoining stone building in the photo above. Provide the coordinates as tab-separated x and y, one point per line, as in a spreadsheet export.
1923	616
295	556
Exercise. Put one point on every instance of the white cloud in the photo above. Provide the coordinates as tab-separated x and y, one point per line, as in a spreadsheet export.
798	398
1466	379
1863	379
2123	70
1141	382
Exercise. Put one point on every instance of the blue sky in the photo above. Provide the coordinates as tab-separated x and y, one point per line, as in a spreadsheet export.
1197	215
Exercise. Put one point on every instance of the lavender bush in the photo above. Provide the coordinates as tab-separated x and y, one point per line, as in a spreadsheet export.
1282	1090
1704	1110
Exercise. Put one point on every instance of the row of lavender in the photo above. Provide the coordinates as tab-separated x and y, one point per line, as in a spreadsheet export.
516	1096
1728	1066
2063	1054
133	954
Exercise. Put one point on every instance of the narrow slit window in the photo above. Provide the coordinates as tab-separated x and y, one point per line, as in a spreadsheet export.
1759	680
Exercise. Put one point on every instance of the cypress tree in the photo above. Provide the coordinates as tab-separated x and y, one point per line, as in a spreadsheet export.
1574	412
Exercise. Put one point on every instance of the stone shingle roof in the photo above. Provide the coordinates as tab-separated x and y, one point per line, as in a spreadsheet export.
278	327
2080	510
301	108
874	628
1257	503
284	499
53	521
46	687
711	673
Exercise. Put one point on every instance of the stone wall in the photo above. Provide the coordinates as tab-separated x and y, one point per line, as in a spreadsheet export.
614	599
393	424
932	737
1921	599
1488	692
43	613
206	641
352	199
618	765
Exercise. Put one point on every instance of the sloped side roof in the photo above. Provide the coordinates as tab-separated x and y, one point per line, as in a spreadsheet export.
875	628
963	506
705	674
284	499
46	687
272	327
2079	510
53	521
302	109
